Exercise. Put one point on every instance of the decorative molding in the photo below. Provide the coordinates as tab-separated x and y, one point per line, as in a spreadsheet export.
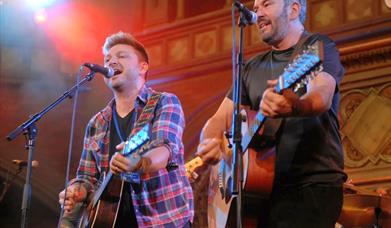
178	50
368	181
325	14
365	127
156	54
366	55
354	11
349	103
205	43
159	12
365	59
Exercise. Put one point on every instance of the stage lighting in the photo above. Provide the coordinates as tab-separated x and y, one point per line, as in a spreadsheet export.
38	4
40	16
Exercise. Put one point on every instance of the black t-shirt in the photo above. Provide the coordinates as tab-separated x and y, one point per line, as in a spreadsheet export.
308	149
126	216
125	125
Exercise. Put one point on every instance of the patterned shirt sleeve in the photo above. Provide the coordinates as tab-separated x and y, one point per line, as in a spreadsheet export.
168	125
87	171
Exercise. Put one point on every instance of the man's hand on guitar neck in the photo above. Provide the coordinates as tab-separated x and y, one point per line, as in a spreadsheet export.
121	164
151	161
277	105
75	193
210	150
317	99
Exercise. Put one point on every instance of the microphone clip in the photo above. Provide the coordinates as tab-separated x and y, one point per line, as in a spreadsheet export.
247	17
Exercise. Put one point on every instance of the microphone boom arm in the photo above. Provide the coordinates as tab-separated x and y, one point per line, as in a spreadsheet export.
34	118
29	128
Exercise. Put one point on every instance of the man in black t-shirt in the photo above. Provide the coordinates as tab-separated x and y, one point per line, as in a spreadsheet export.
307	190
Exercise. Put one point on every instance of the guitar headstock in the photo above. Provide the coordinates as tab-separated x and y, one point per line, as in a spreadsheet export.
136	140
190	167
303	68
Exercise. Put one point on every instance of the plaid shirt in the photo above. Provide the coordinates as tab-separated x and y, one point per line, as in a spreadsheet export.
163	198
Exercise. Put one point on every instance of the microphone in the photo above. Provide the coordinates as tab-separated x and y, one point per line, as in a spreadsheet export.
108	72
250	16
23	163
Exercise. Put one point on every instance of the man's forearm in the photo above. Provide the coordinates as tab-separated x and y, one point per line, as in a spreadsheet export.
212	129
318	98
154	160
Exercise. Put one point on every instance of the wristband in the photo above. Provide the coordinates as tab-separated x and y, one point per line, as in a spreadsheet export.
296	108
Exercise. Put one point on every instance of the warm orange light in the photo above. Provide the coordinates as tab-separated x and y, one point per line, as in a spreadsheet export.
78	28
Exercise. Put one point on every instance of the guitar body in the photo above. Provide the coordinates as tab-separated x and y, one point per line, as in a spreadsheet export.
258	174
105	212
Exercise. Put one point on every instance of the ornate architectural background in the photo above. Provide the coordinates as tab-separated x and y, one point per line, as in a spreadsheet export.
189	42
365	113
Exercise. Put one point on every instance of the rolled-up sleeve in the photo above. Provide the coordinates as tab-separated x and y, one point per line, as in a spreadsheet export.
87	171
168	126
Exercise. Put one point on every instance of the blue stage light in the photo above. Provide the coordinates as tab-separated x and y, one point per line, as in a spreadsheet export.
37	4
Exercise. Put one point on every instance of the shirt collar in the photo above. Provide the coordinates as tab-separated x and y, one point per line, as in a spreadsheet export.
141	100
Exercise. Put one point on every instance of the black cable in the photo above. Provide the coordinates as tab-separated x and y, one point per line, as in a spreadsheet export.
76	96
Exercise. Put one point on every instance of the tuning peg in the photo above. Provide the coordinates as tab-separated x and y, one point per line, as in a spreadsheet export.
306	80
296	87
313	74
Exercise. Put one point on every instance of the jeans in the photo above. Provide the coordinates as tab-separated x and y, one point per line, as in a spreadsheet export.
311	206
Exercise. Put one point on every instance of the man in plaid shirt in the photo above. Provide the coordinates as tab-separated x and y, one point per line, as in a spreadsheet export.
160	195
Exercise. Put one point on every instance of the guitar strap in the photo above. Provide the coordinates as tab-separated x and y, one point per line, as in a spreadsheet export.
306	39
145	117
147	113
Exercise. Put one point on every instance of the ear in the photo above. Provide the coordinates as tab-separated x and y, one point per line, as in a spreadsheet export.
294	10
144	67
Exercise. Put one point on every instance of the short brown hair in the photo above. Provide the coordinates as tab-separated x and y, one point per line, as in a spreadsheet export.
128	39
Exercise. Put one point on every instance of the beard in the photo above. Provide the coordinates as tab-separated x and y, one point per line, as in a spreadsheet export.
278	29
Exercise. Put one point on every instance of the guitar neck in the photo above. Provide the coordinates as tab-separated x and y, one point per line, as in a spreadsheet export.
258	122
128	150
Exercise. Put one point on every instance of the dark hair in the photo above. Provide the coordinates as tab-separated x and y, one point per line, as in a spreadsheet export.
128	39
303	10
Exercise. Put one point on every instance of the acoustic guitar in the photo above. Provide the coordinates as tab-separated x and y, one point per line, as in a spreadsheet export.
103	209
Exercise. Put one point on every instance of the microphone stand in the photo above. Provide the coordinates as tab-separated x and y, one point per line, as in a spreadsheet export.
237	151
29	128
